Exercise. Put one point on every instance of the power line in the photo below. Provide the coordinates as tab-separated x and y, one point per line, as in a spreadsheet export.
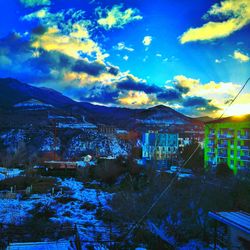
167	188
234	98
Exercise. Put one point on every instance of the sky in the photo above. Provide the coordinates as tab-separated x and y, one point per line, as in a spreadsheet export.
190	55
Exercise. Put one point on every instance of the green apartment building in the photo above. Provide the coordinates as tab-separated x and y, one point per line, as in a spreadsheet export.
227	140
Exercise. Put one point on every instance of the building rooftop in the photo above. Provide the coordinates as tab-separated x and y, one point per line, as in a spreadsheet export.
242	118
239	219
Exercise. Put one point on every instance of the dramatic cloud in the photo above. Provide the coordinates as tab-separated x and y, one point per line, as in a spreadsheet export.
133	84
135	98
97	94
147	40
116	18
94	69
195	101
207	98
240	56
65	51
169	95
184	84
33	3
236	14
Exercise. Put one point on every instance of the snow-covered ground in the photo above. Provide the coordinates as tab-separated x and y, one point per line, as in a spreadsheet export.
49	144
74	211
9	172
12	138
92	141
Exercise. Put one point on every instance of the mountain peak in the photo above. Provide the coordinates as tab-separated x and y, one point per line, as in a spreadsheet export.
160	107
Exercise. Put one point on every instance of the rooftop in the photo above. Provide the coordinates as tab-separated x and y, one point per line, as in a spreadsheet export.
239	219
60	245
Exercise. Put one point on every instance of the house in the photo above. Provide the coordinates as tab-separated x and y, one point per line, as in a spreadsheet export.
231	230
60	165
228	141
159	146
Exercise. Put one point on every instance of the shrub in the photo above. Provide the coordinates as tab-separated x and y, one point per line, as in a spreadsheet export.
88	206
39	184
223	170
66	199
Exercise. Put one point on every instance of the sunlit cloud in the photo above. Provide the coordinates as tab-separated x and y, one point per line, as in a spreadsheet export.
236	14
122	46
39	14
125	58
240	107
217	94
240	56
135	98
33	3
72	38
147	40
116	17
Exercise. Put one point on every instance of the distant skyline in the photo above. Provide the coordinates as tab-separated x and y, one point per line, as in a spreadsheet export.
191	55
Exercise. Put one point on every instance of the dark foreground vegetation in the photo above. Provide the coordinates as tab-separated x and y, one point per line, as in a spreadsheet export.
180	215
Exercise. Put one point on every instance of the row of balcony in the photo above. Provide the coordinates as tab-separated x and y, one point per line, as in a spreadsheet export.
225	155
225	145
229	136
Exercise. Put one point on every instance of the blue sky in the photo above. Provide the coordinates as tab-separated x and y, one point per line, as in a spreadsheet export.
191	55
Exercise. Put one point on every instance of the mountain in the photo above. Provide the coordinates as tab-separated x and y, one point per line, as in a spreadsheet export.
162	117
204	119
13	93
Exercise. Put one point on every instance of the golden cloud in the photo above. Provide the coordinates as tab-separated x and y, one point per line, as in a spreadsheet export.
186	82
241	106
72	38
70	45
237	13
219	93
240	56
85	79
135	98
116	18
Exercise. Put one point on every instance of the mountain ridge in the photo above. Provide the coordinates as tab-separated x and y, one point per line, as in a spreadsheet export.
13	91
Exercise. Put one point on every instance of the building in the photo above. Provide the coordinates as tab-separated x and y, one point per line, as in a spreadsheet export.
231	230
159	146
228	141
190	136
106	129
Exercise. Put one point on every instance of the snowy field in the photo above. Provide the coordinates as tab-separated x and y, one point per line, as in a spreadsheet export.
74	211
9	173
